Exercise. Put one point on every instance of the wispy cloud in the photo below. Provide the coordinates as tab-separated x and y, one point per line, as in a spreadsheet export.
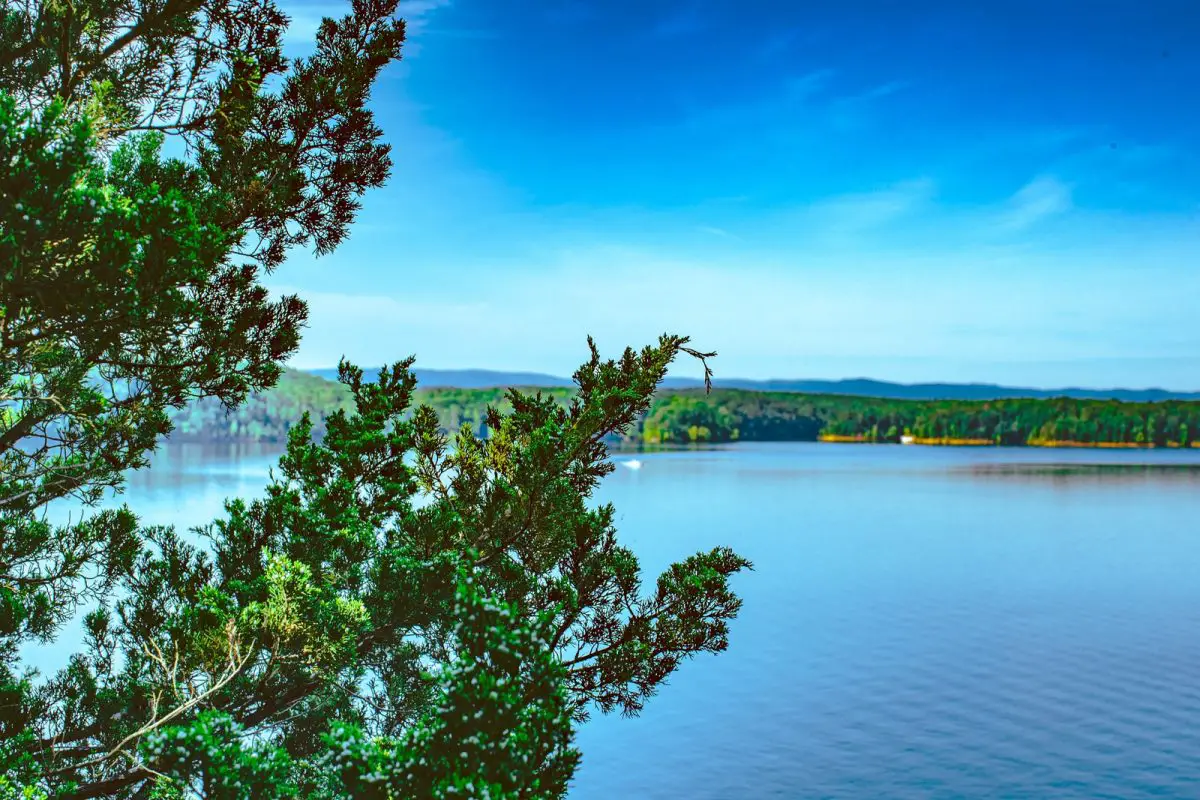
777	43
857	109
462	33
374	329
417	13
306	17
768	319
856	213
1038	200
876	92
872	213
792	95
721	232
801	87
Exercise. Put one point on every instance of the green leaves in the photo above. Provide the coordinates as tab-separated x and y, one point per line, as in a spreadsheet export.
398	615
116	305
501	726
431	601
209	758
48	570
304	620
290	163
129	282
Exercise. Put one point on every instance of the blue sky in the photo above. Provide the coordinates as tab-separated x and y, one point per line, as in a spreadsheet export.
987	191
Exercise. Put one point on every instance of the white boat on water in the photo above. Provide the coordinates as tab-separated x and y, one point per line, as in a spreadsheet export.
632	463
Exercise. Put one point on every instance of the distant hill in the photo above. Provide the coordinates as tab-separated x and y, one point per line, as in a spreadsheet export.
461	378
856	387
865	387
858	411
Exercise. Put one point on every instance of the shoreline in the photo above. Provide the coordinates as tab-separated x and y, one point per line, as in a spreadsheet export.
1045	443
627	446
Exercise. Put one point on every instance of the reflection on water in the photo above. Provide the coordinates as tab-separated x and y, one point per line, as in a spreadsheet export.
1067	475
188	483
921	623
190	461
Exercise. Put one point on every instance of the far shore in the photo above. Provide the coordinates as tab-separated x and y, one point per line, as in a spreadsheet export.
1059	443
627	446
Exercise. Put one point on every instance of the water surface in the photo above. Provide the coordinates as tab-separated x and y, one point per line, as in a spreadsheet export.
924	623
921	623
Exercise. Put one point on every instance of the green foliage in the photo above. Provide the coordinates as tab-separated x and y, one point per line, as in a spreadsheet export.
1021	422
500	728
13	791
18	769
288	146
130	282
763	416
114	306
400	614
728	415
267	416
339	596
210	758
688	419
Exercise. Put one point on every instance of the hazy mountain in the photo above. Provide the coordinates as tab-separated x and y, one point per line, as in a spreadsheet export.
861	387
865	387
461	378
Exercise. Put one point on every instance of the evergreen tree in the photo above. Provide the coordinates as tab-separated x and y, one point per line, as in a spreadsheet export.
401	614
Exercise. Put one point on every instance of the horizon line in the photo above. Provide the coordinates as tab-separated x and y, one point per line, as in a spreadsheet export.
716	381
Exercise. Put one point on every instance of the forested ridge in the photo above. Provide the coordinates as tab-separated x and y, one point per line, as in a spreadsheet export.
685	416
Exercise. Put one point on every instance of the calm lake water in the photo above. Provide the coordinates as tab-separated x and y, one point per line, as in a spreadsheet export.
921	623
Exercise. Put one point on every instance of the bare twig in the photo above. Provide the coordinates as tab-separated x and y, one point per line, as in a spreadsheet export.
237	663
708	373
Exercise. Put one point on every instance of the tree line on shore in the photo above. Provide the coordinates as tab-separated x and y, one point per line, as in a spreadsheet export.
728	415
